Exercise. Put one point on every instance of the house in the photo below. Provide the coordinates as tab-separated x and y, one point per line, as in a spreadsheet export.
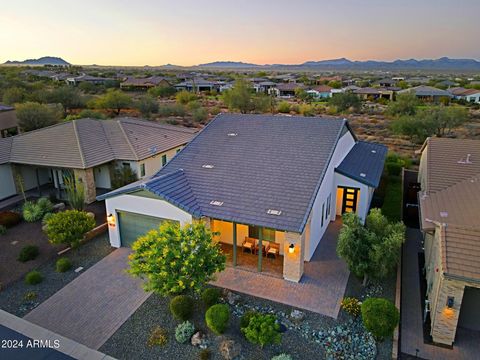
472	95
320	92
88	149
144	83
264	180
264	86
375	93
198	84
447	83
427	93
75	80
449	201
285	89
8	121
386	82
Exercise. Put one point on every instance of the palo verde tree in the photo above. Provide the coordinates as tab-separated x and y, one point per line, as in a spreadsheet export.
239	97
372	250
32	116
114	100
174	259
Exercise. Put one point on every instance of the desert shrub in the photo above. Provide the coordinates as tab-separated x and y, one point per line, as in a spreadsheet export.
69	227
181	307
205	354
215	110
3	230
351	306
283	107
9	218
295	108
172	110
32	212
184	97
307	110
158	336
33	277
211	296
217	317
45	205
27	253
30	296
63	265
263	329
245	319
184	332
200	115
393	168
380	317
282	357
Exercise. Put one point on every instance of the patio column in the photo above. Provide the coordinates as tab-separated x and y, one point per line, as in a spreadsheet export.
293	262
260	252
234	244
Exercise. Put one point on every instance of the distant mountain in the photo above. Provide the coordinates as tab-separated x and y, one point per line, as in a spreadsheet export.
228	64
443	63
46	60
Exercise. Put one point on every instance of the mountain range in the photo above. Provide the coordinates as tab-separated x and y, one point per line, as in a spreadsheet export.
443	63
45	60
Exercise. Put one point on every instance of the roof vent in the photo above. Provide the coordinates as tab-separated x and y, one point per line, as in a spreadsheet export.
232	134
374	151
466	160
274	212
208	166
443	214
216	203
363	174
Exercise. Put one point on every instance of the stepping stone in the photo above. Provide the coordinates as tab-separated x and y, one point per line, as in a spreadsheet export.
14	242
77	270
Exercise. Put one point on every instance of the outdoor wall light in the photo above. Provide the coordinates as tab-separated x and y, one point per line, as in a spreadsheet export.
111	220
291	248
450	302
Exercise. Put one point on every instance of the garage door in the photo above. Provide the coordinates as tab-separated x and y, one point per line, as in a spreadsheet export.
133	225
470	312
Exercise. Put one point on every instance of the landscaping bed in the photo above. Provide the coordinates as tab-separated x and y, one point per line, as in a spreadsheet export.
14	298
308	335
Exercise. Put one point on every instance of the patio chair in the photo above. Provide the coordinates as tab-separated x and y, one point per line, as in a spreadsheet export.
249	244
272	249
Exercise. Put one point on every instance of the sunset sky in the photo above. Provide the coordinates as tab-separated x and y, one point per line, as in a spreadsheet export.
190	32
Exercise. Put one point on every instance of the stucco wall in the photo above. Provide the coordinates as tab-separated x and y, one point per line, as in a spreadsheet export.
142	205
7	183
154	164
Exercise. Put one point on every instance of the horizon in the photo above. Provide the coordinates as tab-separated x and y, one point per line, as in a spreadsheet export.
190	32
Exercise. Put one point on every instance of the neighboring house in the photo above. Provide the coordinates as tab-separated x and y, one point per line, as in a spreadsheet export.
8	121
285	89
320	92
90	150
447	83
427	93
144	83
198	84
449	200
375	93
75	80
264	86
276	180
386	82
472	95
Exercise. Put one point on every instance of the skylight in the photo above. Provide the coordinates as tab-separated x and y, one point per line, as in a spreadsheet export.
374	151
363	174
232	134
216	203
208	166
274	212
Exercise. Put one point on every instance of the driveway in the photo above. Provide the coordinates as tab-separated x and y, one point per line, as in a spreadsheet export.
94	305
320	290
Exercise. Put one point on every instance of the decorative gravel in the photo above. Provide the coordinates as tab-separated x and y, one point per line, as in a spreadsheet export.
308	335
12	298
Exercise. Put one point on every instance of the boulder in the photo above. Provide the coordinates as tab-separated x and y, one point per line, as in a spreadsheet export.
229	349
297	315
198	339
59	207
232	298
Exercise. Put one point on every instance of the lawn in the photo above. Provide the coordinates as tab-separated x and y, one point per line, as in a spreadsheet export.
392	203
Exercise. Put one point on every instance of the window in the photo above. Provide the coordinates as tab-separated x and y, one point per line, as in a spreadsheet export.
142	170
178	150
329	203
323	212
164	160
267	234
126	164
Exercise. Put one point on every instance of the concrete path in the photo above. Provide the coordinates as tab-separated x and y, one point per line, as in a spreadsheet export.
466	344
93	306
321	289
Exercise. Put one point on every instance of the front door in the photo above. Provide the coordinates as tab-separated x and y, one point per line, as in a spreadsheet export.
349	201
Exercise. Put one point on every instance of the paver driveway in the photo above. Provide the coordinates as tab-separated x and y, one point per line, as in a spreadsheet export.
94	305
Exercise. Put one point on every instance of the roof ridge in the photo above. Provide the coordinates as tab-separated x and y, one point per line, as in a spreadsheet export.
74	125
119	123
142	122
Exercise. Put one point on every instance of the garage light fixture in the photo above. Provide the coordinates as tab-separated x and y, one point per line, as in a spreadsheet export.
291	248
450	302
111	220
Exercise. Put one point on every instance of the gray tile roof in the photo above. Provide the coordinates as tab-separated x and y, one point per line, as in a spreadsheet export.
85	143
5	147
364	163
424	90
272	162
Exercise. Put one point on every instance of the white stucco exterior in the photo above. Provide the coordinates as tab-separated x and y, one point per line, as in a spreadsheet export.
141	205
7	183
365	195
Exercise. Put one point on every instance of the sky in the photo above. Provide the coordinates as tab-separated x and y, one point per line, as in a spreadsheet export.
191	32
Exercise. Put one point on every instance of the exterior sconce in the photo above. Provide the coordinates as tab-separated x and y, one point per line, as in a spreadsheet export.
450	302
291	248
111	220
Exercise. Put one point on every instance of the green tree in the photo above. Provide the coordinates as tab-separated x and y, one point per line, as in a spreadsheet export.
114	100
372	250
161	91
263	103
239	97
336	84
32	116
345	101
174	259
14	95
405	104
69	97
302	94
147	105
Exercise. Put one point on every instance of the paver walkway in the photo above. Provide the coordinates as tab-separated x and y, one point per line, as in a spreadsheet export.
94	305
466	344
321	289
